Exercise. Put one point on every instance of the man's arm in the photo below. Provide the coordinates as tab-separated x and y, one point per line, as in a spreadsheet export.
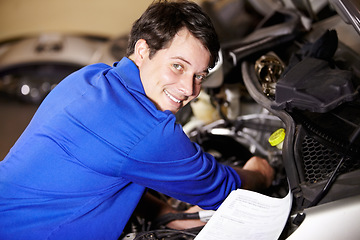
257	174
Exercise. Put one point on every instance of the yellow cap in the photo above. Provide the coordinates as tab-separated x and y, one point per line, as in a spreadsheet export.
277	137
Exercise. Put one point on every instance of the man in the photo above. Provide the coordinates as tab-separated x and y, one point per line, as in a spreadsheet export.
106	134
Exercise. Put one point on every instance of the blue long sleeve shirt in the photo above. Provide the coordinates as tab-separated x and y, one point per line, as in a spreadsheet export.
93	147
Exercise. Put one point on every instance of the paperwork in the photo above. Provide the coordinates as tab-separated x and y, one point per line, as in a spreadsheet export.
248	215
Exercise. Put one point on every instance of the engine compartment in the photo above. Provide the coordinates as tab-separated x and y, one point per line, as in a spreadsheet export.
319	159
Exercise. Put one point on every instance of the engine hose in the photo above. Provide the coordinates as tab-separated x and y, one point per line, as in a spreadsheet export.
166	218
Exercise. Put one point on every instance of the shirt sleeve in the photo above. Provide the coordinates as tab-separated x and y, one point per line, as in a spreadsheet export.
167	161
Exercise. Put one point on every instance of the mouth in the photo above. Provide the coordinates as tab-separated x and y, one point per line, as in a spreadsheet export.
174	99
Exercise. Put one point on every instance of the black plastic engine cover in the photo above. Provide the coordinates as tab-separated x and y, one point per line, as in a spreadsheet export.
314	86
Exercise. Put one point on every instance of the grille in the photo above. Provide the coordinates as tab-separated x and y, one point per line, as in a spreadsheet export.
319	161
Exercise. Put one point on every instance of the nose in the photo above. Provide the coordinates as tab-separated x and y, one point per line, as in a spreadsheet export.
186	85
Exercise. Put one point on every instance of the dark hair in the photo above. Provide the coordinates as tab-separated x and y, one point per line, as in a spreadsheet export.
163	19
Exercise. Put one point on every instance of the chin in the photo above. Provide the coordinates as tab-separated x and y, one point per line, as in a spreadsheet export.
173	109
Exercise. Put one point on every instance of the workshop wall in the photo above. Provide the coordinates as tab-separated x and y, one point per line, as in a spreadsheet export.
94	17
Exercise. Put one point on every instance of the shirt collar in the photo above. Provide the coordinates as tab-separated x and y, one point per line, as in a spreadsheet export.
129	74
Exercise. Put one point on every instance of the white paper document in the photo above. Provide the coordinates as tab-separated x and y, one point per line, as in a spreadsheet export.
248	215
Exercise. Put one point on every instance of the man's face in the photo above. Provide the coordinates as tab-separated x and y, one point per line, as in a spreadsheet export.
173	76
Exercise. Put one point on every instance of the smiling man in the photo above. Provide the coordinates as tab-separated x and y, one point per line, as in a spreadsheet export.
172	78
106	134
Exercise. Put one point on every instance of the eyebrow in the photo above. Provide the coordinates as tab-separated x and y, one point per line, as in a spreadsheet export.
206	71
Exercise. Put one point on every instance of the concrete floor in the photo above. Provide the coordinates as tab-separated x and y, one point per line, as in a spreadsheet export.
14	117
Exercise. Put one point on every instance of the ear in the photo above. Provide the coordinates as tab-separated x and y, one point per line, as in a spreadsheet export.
141	51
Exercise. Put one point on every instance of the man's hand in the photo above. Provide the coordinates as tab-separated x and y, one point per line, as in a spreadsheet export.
187	223
257	174
150	207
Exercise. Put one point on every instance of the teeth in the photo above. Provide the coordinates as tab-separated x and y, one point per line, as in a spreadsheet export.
171	97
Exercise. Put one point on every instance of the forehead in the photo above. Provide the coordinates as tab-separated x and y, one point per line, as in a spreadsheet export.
186	47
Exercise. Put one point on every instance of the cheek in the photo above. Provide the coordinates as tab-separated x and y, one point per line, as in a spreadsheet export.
197	89
166	78
169	76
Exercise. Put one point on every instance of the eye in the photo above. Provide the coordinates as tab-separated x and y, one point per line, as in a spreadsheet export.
199	78
177	66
